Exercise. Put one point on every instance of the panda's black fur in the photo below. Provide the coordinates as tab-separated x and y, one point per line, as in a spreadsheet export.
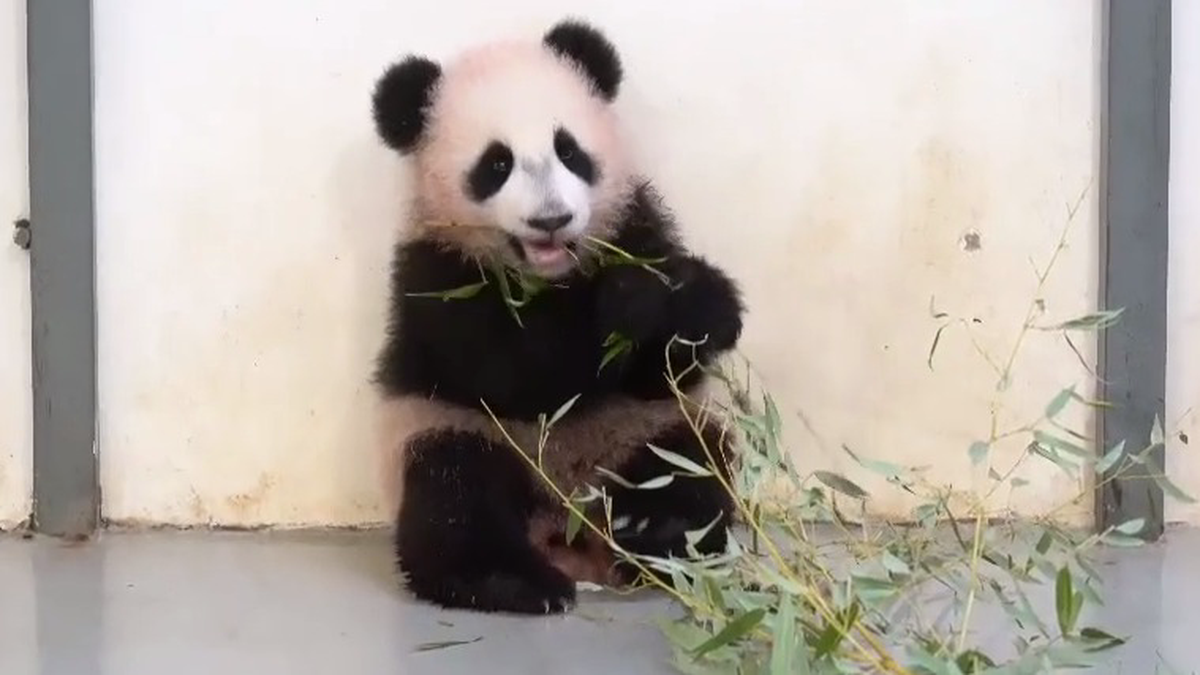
463	535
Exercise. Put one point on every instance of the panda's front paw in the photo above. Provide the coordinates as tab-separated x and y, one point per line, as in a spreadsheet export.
551	593
633	303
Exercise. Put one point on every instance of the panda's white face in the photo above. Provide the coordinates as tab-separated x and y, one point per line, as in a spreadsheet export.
522	157
538	193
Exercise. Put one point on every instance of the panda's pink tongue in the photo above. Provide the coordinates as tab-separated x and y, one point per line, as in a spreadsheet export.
544	254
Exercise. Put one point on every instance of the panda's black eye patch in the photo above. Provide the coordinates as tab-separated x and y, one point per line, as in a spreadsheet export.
490	172
574	157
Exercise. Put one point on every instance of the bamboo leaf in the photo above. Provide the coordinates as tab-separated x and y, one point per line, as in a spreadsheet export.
460	293
562	411
1100	640
574	522
974	661
1066	446
895	565
1156	432
1132	527
1092	321
680	461
734	630
1168	487
937	338
828	640
657	482
615	345
615	478
1052	455
1110	459
1122	540
434	646
694	537
1059	402
1044	543
978	452
886	469
1067	603
840	484
783	644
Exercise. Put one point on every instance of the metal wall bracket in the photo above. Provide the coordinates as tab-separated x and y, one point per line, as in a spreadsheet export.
22	235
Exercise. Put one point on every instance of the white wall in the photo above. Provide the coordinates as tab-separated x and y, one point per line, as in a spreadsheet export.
831	154
16	412
1183	319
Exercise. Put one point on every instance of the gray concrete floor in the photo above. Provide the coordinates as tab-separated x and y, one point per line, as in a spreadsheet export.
183	603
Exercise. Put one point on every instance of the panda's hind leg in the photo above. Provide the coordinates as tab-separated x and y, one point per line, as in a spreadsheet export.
656	521
462	533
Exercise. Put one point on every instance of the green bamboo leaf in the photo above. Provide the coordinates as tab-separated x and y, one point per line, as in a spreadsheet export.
574	522
895	565
1059	402
978	452
715	596
974	661
930	664
828	640
886	469
1132	527
1092	321
1110	459
1064	445
680	461
734	630
1052	455
783	644
1122	540
840	484
1157	437
694	537
1067	602
434	646
937	338
872	589
460	293
615	478
656	483
1099	640
1044	543
615	345
562	410
1168	487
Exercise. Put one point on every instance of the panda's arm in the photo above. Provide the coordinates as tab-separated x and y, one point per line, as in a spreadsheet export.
672	331
698	316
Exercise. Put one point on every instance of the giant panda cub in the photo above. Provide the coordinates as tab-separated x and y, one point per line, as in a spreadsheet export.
520	174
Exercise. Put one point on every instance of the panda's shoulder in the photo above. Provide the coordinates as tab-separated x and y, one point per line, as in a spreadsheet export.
421	265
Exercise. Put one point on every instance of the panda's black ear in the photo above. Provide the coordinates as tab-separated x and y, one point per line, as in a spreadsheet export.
591	51
401	100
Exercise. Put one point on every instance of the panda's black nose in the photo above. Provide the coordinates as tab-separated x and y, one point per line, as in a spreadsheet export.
549	223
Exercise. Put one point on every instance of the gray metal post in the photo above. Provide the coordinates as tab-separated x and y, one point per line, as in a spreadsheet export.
1136	147
62	215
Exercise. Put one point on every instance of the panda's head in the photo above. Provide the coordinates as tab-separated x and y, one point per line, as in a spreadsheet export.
517	151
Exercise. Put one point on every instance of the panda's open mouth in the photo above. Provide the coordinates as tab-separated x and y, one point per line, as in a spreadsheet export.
546	254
